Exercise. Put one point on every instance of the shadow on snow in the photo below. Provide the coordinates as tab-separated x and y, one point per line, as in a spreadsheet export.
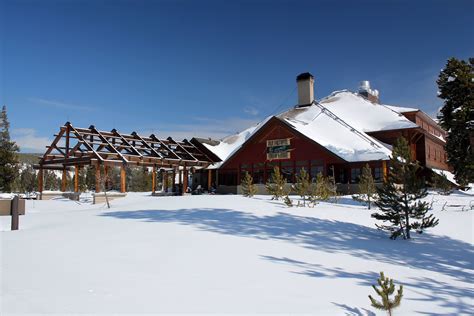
441	254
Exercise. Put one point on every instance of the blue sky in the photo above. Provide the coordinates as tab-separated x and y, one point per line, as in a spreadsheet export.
211	68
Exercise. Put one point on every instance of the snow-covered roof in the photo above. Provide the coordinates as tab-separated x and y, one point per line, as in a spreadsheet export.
230	144
321	125
364	114
401	109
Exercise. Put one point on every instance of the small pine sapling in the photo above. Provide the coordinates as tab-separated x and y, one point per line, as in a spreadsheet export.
276	185
303	185
367	190
441	184
319	189
248	188
288	201
399	199
332	188
387	288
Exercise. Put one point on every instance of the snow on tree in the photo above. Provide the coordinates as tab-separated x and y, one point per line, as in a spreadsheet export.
367	190
399	199
248	188
387	288
8	154
276	185
441	184
456	88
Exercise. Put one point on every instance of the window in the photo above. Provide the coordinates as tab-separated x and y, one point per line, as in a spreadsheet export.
317	166
258	169
355	175
378	174
287	170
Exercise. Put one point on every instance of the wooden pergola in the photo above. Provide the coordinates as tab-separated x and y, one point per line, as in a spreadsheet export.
75	147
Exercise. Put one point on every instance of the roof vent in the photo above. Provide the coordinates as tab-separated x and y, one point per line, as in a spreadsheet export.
367	92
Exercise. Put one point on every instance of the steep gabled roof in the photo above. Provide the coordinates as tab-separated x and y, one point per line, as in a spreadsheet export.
364	114
318	124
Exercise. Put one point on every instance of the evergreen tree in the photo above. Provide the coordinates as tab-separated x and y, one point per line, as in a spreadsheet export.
248	188
51	180
399	197
367	191
8	154
441	184
303	185
332	186
90	177
387	288
28	179
456	88
276	185
319	189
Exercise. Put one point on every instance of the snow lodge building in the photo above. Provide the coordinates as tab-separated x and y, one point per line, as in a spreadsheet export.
337	136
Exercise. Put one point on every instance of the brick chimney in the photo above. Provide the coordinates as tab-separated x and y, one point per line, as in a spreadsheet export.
305	82
367	92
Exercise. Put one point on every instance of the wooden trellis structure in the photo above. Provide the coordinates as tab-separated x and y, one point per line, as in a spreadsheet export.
77	147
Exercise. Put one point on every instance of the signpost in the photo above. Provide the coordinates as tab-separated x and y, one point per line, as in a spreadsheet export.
14	208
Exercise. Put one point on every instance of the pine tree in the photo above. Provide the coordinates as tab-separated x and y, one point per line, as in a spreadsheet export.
456	88
331	185
248	188
367	191
8	154
387	288
28	180
441	184
303	185
51	181
399	197
319	189
276	185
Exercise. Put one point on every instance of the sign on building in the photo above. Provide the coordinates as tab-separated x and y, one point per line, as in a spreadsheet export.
278	149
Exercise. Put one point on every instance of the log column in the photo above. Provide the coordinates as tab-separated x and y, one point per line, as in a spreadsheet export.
76	178
106	178
209	180
123	176
97	179
185	179
384	169
64	181
173	174
153	180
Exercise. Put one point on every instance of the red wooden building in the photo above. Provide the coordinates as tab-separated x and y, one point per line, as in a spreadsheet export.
336	136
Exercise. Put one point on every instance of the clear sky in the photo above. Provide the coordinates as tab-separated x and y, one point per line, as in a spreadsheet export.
212	68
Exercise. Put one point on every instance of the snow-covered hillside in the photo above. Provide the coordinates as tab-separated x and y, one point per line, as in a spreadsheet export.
229	254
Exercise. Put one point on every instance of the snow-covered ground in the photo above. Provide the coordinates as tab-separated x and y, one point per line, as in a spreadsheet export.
229	254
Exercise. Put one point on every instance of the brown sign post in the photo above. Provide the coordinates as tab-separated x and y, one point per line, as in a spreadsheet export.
15	212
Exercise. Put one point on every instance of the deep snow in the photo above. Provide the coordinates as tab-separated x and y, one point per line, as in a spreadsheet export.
228	254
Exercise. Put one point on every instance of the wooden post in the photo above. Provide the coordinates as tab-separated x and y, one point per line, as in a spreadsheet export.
384	169
15	213
106	177
185	180
76	179
209	180
97	178
64	181
173	174
153	180
40	183
123	176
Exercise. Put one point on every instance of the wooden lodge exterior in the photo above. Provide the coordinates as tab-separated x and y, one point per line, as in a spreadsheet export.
426	141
